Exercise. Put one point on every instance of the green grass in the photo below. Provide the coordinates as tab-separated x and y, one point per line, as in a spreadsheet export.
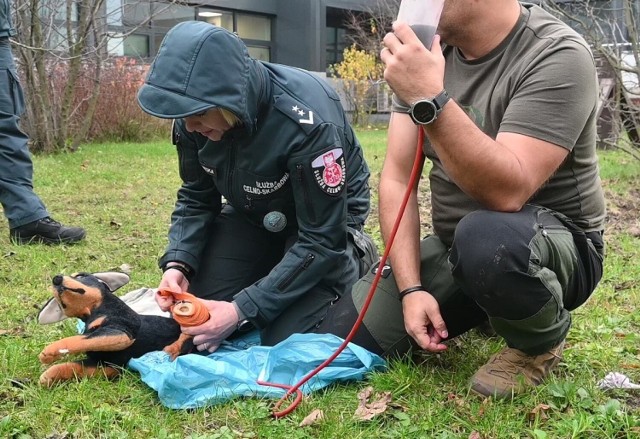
123	195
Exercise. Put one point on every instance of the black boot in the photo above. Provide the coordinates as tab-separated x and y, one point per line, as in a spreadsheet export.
46	231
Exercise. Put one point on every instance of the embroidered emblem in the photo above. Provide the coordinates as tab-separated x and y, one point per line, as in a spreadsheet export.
329	171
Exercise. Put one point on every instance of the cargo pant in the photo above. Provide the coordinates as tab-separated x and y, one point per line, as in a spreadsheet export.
523	271
21	205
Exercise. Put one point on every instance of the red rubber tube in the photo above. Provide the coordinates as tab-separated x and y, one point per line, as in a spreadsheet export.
415	172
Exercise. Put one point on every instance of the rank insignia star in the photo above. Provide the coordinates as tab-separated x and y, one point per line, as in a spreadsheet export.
302	113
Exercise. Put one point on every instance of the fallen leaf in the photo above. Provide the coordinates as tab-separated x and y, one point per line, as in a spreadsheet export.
312	418
460	402
539	412
368	410
365	394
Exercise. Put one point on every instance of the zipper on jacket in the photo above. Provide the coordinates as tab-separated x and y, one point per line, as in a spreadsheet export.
305	192
232	164
299	269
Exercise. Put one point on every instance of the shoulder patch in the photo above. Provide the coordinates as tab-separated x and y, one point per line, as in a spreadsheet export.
300	113
329	171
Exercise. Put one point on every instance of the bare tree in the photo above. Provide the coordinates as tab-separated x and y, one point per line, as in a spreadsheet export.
366	29
612	29
61	50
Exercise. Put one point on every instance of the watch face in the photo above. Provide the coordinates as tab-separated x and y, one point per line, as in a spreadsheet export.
244	326
424	112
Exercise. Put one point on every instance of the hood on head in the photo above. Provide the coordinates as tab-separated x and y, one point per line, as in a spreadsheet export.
201	66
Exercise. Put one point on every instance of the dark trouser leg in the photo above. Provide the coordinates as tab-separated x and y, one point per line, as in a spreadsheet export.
21	205
383	330
525	270
239	254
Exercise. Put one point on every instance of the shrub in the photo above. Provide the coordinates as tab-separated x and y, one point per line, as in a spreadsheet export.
359	71
118	116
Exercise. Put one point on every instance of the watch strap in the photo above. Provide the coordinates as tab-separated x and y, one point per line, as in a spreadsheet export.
441	99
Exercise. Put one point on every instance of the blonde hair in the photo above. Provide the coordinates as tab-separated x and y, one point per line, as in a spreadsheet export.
229	117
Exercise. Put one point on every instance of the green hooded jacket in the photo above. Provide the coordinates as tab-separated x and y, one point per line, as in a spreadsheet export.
293	153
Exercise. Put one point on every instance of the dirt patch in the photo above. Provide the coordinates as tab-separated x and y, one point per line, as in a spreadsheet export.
622	212
633	402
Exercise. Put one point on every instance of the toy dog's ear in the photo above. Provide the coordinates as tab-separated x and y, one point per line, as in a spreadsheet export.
51	312
113	279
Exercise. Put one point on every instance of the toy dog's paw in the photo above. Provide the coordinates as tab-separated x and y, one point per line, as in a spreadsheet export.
173	350
182	345
75	371
51	354
51	377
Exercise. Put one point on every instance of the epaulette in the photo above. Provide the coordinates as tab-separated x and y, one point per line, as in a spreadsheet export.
305	117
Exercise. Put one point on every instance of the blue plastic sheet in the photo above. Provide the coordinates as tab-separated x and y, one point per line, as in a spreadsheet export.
196	380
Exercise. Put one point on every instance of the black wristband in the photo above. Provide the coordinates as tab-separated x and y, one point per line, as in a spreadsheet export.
410	290
187	272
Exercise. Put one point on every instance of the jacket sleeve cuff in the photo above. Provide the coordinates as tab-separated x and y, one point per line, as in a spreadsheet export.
250	310
179	256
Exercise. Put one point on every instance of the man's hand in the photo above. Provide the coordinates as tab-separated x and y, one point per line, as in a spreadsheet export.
423	322
412	71
221	324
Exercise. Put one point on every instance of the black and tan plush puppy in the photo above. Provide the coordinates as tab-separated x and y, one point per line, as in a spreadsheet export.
114	333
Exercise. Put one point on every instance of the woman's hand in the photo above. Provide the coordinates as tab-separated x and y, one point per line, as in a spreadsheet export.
223	319
172	280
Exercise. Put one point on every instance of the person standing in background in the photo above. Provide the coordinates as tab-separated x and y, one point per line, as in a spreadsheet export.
29	220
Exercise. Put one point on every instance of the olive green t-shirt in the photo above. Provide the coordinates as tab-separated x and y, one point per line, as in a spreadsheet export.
540	82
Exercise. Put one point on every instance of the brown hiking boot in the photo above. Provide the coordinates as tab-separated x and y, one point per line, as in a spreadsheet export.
510	372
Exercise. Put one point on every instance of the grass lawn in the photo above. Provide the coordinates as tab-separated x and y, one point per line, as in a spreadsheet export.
123	195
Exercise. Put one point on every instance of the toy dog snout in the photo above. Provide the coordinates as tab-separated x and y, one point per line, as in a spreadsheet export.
57	280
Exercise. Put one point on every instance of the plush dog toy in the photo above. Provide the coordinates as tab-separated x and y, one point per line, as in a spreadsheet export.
114	333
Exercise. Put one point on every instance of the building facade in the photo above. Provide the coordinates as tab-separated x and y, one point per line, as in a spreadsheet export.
309	34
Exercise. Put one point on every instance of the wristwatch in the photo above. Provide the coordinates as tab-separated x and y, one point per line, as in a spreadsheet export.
244	326
425	111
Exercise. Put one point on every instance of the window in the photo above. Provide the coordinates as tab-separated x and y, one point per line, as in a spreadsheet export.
337	35
336	43
254	29
56	10
148	21
136	45
218	18
134	12
167	15
599	21
260	53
